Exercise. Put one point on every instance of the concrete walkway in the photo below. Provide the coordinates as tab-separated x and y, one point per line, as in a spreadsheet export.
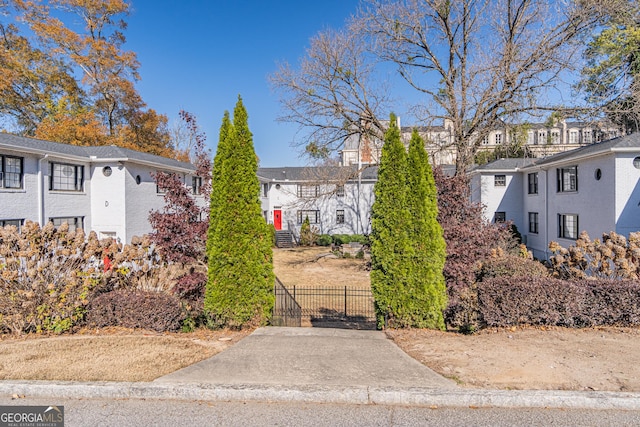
321	366
312	356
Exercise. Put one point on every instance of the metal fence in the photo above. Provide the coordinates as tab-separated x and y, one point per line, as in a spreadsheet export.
352	307
287	311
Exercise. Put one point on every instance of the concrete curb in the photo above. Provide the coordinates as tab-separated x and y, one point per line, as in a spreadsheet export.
361	395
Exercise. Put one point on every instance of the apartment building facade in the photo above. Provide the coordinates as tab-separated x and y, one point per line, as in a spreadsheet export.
106	189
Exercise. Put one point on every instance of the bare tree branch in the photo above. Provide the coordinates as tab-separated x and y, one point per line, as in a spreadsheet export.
333	94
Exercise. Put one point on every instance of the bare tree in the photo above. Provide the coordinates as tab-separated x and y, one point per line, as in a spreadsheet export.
333	94
477	63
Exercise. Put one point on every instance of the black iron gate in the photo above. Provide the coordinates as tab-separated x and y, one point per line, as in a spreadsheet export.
286	311
338	306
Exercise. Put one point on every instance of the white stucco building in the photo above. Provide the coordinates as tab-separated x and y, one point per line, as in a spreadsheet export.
106	189
595	189
337	200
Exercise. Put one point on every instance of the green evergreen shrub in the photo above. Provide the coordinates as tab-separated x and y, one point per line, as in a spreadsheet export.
358	238
308	234
428	290
239	291
340	239
391	250
271	229
324	240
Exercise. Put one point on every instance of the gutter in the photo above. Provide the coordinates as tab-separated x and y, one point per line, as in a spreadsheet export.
43	152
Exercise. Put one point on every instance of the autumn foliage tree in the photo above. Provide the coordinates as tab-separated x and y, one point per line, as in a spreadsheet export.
31	80
180	228
240	286
72	80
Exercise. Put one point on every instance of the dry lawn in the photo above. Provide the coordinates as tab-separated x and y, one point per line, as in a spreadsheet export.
531	358
312	267
108	355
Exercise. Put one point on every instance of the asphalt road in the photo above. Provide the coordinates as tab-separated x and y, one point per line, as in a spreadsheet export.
138	412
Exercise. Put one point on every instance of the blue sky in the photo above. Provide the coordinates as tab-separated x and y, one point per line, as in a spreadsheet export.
199	55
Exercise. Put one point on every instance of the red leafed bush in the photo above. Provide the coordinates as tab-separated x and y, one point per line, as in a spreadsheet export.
145	310
508	301
191	286
470	241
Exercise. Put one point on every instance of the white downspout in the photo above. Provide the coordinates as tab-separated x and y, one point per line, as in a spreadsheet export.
41	191
358	191
546	214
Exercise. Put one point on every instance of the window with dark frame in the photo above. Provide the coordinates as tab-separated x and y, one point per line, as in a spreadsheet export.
11	171
340	190
165	179
533	222
16	222
500	180
340	216
533	183
66	177
314	216
567	179
196	185
75	222
265	190
307	191
499	217
568	226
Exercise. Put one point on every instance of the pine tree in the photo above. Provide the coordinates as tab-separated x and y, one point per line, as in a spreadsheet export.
239	289
429	292
391	250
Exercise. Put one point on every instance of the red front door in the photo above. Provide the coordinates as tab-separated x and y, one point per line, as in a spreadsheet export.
277	219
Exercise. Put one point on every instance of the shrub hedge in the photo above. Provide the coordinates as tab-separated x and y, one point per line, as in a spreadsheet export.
324	240
509	301
507	265
156	311
341	239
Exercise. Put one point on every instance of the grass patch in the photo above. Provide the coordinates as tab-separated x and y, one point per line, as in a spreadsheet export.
107	358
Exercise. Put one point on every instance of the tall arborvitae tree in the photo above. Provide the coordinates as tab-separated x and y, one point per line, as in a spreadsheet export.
218	185
391	250
239	290
429	292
